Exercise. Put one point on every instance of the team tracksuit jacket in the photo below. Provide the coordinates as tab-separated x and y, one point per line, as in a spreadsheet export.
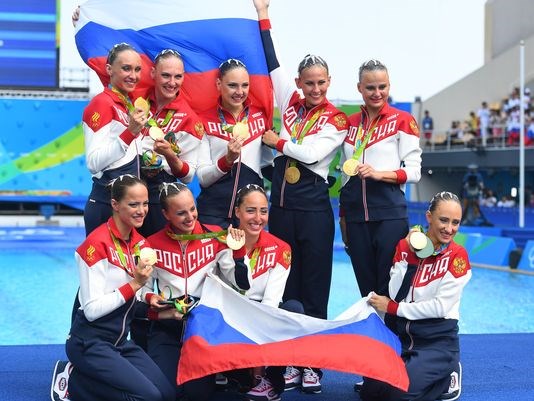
217	178
110	151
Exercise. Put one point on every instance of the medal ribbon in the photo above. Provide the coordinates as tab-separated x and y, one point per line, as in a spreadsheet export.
228	127
190	237
254	258
124	99
120	252
153	123
298	136
360	145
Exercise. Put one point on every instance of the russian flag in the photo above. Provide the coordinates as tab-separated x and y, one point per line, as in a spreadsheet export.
205	32
228	331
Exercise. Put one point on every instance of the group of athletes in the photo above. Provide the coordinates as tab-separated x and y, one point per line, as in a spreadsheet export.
144	226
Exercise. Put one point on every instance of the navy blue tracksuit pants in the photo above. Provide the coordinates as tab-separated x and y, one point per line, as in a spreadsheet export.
311	237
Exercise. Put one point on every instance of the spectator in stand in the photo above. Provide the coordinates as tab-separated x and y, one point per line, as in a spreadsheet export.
513	126
428	127
483	115
506	202
513	101
473	124
488	198
497	124
455	133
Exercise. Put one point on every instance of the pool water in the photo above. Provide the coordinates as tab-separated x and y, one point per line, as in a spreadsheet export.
40	280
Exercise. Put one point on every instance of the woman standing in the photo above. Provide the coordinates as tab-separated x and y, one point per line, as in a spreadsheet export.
107	365
186	251
425	291
170	143
312	131
231	154
381	154
111	125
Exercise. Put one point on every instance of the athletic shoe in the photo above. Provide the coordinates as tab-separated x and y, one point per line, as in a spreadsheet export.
455	386
221	380
310	381
292	377
263	391
60	380
358	386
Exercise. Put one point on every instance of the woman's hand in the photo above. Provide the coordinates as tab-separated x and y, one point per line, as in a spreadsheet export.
142	274
163	147
155	302
75	16
379	302
270	138
262	7
138	120
171	313
234	149
236	233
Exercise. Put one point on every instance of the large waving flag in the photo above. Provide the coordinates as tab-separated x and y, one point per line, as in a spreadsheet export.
227	331
205	32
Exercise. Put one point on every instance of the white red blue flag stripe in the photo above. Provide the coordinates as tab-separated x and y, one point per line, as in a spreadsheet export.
227	331
205	32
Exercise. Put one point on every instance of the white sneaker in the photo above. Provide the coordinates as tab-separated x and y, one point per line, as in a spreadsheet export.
221	380
59	390
455	386
310	381
263	391
292	377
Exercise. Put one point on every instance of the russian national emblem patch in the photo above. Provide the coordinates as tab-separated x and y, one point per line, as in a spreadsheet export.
199	129
414	127
287	257
459	266
340	121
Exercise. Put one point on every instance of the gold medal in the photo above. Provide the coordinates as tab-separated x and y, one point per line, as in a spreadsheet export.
233	243
148	256
142	104
418	240
292	175
156	133
350	167
240	130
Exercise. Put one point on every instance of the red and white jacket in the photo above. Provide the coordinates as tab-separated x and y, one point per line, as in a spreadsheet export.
188	132
212	164
316	150
271	258
392	146
104	279
108	143
180	268
437	284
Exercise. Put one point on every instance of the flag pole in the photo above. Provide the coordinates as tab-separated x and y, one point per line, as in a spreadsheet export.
522	134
